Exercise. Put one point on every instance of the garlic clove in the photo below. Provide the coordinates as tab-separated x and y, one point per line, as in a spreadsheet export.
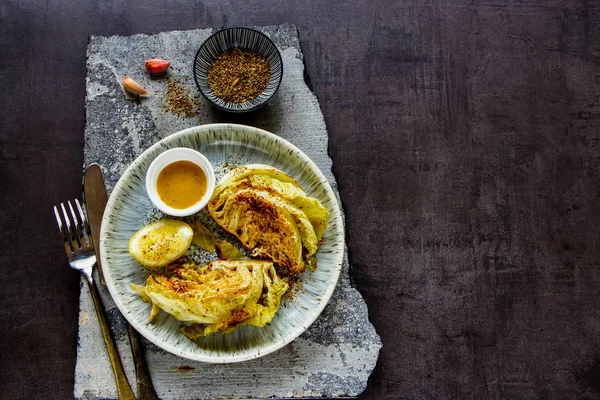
156	66
132	86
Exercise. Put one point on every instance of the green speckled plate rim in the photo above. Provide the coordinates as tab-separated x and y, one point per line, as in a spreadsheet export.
123	217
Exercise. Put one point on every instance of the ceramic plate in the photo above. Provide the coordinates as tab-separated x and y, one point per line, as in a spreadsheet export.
129	208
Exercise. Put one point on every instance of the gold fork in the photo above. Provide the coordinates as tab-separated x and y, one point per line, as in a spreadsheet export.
79	247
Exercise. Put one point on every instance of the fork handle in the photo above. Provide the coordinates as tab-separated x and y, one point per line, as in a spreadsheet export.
123	387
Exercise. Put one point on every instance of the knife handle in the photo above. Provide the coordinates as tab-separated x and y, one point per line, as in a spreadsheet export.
144	382
123	387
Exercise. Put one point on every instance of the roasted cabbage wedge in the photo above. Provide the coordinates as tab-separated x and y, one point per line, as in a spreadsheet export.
293	195
263	224
218	297
270	214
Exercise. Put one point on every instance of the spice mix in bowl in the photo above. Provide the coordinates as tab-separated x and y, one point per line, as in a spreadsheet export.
238	69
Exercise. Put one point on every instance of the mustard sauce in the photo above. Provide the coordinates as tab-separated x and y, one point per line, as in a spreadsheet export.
181	184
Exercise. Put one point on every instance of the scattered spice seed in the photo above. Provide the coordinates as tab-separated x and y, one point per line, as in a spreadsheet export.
295	286
239	75
179	99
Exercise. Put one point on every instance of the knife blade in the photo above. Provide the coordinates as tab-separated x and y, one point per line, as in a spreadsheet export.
96	198
95	201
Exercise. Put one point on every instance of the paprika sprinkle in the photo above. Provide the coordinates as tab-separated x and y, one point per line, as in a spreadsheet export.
239	75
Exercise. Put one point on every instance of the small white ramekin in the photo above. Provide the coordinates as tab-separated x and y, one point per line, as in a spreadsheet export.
168	157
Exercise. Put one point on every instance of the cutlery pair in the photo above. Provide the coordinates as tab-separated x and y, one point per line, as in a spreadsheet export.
81	246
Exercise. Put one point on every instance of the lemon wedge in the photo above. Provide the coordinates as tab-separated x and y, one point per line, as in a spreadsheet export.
160	243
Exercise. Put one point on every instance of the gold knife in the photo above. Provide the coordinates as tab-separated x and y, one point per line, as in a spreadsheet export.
95	201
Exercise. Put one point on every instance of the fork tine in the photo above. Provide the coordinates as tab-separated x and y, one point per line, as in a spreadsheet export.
76	227
59	222
67	231
61	228
87	232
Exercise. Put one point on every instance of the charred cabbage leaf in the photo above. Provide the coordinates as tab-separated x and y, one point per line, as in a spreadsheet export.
292	195
263	225
227	251
241	173
218	297
270	214
203	237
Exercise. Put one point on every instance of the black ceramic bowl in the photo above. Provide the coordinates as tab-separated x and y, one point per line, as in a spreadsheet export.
244	38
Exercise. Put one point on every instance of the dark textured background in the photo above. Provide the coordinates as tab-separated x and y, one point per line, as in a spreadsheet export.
465	137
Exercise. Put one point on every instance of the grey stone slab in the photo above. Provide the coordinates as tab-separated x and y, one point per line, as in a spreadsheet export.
336	355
